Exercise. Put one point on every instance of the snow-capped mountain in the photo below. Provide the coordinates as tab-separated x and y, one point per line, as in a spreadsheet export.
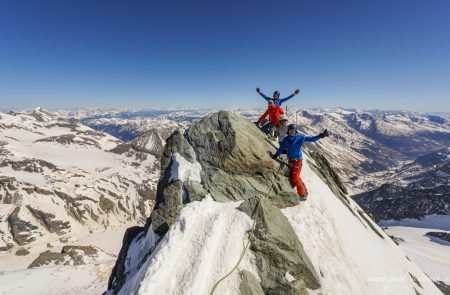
223	204
367	145
61	181
127	125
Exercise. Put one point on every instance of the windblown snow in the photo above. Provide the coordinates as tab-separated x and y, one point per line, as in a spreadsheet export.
202	245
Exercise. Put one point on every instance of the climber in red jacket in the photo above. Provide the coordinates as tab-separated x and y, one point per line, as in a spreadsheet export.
274	112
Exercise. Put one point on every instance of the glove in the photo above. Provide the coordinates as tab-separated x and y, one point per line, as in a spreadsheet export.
257	90
296	92
324	134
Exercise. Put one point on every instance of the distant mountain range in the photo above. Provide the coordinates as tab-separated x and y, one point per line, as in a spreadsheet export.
61	180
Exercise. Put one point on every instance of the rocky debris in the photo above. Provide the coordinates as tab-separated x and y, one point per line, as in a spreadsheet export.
70	255
21	230
278	250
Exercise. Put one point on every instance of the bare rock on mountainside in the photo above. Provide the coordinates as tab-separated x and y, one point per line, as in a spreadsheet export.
70	255
147	143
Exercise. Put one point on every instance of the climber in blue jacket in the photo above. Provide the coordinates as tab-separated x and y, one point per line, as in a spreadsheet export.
293	145
276	96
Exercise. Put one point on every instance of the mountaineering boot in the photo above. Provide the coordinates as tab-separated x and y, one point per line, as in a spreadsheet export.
305	196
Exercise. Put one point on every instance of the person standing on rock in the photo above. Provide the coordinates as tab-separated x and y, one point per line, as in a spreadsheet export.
276	96
292	144
274	112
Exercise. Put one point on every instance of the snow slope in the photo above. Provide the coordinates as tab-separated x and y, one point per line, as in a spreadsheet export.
351	258
432	257
205	241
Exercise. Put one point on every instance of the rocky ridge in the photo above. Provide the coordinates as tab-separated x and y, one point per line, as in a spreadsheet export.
225	157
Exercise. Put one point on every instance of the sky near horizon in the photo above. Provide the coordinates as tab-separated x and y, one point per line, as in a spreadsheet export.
205	53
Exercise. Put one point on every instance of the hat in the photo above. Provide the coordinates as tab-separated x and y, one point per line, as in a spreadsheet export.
276	93
292	127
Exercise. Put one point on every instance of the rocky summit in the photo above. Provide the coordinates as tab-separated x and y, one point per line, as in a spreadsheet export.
225	159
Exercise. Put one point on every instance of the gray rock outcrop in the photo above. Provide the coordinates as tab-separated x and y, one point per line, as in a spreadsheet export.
236	164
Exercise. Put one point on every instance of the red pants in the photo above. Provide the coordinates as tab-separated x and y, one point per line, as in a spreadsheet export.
296	168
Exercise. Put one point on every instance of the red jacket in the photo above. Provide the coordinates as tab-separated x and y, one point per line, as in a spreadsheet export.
274	113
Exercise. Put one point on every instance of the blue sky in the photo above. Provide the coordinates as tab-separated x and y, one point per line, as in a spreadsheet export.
364	54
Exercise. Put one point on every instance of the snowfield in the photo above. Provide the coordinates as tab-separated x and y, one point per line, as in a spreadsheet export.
202	246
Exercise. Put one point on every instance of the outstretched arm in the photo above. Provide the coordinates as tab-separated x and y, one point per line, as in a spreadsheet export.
265	96
311	138
316	138
290	96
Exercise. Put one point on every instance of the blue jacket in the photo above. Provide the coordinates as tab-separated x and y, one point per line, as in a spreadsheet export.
278	101
293	145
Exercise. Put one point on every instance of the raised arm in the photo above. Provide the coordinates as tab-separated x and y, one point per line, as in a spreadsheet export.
263	95
290	96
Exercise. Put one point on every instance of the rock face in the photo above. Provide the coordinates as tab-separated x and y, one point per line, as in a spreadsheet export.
235	165
227	157
278	250
147	143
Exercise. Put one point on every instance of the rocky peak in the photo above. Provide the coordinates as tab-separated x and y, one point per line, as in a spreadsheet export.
224	159
229	159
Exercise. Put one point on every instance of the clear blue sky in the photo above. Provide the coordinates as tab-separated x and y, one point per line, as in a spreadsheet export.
388	54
